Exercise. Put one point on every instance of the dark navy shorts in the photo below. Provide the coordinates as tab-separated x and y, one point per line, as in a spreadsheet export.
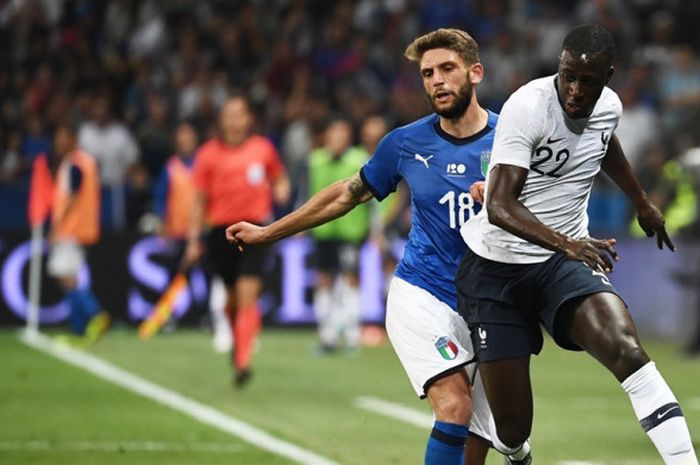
229	262
335	256
504	304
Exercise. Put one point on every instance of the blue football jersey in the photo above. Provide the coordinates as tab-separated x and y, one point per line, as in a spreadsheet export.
438	169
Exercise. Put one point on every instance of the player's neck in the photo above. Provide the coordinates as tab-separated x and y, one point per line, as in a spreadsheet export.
234	139
472	121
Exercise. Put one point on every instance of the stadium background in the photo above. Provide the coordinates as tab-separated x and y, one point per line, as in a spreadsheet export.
157	63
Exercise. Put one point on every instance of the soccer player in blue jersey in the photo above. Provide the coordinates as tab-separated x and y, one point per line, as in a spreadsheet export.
439	156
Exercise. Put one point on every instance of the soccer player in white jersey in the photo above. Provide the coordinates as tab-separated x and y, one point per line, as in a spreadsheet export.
439	156
532	260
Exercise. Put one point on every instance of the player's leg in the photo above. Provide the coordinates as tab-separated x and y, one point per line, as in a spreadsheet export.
349	286
323	310
65	261
432	344
450	399
326	264
509	392
601	324
494	299
247	324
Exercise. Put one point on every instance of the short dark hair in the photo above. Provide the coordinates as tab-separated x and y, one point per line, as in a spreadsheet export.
591	38
456	40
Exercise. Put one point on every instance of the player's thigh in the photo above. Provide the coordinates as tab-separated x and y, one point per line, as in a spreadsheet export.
602	325
563	283
66	258
430	338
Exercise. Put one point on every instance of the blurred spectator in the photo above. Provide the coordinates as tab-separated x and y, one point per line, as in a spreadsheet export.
680	91
113	146
154	136
639	125
299	60
74	226
173	191
337	243
36	139
11	164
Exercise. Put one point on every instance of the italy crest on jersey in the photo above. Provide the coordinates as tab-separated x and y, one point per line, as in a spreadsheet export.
485	157
448	350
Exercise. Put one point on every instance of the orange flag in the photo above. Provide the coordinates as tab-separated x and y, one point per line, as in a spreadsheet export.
163	308
40	191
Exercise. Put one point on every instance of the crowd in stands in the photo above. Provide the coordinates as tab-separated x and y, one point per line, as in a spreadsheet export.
125	73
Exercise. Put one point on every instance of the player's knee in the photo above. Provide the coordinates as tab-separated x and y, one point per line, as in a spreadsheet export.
512	432
453	408
627	356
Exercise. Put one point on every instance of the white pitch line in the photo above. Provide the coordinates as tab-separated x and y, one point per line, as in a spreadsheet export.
114	446
396	411
578	463
200	412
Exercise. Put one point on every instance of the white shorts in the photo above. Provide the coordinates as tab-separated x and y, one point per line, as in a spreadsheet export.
65	259
430	338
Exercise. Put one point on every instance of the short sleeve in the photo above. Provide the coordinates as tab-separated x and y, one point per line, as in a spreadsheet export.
518	130
380	173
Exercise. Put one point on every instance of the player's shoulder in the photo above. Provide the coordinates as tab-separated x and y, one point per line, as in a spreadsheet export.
534	94
259	140
609	101
418	127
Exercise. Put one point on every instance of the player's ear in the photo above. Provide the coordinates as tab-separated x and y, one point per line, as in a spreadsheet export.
476	73
611	72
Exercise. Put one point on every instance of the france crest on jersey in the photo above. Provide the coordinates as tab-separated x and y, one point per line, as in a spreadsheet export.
438	169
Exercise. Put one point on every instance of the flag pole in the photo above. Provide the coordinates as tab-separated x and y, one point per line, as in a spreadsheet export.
34	280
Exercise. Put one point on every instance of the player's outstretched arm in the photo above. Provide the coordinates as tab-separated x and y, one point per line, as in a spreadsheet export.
328	204
651	220
506	211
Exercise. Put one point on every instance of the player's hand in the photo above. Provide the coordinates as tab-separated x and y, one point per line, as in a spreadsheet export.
652	222
193	252
244	233
597	254
477	191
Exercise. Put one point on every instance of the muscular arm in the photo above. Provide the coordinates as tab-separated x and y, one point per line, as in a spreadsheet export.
651	220
328	204
616	166
506	211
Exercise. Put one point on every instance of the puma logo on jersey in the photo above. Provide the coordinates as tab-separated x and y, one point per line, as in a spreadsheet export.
423	159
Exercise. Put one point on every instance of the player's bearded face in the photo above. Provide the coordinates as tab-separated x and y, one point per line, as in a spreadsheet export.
461	100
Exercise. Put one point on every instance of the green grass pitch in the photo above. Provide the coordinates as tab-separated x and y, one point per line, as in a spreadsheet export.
55	413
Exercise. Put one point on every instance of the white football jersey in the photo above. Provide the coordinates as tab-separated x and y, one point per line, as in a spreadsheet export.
562	154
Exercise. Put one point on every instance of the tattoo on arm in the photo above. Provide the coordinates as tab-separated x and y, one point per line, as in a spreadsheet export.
358	189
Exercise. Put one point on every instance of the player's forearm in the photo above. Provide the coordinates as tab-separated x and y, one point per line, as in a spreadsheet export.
197	219
514	217
282	190
328	204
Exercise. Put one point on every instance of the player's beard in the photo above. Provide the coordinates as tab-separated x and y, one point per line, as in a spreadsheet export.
463	99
